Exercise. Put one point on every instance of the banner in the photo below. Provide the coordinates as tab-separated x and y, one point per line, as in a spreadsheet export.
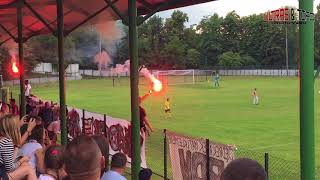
118	131
189	160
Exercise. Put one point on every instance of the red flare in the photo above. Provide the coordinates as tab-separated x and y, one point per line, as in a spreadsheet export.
15	69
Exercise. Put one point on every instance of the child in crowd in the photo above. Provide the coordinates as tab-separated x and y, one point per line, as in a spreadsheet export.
53	162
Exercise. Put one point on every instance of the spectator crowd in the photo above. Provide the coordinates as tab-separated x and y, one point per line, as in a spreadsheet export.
29	149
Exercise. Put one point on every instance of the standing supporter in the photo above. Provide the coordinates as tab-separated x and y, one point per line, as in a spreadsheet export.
54	127
53	162
102	142
13	107
46	114
118	165
244	169
145	124
10	138
27	90
35	141
74	123
83	159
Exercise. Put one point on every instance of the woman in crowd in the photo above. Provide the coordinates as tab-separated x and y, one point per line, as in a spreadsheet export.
53	162
34	142
10	138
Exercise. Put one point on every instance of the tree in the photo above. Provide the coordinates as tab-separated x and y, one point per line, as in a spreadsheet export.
174	26
193	58
174	53
230	59
209	43
231	32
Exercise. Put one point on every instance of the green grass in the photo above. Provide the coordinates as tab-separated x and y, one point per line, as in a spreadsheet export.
224	114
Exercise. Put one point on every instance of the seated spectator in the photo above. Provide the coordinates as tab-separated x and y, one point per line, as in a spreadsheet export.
10	138
102	142
34	142
53	162
145	174
244	169
13	107
83	159
118	165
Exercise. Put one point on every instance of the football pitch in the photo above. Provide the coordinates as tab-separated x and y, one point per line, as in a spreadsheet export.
224	114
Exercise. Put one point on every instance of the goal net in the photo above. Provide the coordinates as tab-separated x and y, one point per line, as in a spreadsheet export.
189	76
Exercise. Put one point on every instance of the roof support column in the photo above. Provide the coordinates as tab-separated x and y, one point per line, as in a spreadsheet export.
62	88
134	81
21	59
307	152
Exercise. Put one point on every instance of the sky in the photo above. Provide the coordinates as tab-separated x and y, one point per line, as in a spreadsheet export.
242	7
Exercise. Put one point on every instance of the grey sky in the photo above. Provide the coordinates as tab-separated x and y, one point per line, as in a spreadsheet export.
242	7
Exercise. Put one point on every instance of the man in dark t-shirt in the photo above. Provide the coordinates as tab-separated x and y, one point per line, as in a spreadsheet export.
144	121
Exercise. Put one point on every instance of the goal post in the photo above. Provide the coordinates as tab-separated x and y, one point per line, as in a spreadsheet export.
188	76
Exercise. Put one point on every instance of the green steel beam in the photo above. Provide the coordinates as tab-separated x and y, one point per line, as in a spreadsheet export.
134	81
307	136
62	89
21	58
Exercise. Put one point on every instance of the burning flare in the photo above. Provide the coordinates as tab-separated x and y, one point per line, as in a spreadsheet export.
157	85
15	69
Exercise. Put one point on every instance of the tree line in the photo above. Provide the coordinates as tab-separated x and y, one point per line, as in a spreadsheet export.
230	41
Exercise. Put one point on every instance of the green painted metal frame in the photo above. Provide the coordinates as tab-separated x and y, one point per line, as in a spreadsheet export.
134	90
21	58
307	135
62	88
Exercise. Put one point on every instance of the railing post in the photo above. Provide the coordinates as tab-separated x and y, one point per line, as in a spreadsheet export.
105	124
165	160
266	164
83	116
208	158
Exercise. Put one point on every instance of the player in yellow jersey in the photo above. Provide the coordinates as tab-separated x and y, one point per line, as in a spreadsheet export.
167	109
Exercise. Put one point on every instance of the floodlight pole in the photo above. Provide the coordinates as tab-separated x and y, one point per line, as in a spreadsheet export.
134	81
62	89
307	137
21	59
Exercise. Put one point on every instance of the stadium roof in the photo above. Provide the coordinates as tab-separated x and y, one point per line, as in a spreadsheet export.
39	16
